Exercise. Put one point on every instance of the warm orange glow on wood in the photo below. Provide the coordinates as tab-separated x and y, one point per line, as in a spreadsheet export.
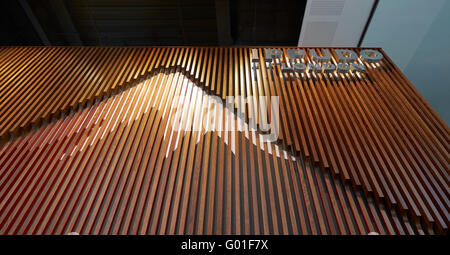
88	146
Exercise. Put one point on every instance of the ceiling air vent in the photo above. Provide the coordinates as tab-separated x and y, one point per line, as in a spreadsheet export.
334	23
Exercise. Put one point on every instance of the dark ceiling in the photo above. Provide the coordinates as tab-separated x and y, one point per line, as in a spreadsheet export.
155	22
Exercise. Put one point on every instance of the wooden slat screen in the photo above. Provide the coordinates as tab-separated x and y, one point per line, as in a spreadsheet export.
368	138
116	167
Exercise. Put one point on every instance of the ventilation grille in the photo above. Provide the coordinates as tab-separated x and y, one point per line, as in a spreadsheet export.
326	8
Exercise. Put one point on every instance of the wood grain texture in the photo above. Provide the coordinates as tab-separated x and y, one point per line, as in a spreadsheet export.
365	152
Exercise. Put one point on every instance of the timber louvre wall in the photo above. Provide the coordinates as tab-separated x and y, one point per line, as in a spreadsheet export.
373	130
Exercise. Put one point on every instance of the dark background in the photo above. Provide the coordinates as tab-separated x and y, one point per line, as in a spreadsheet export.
150	22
